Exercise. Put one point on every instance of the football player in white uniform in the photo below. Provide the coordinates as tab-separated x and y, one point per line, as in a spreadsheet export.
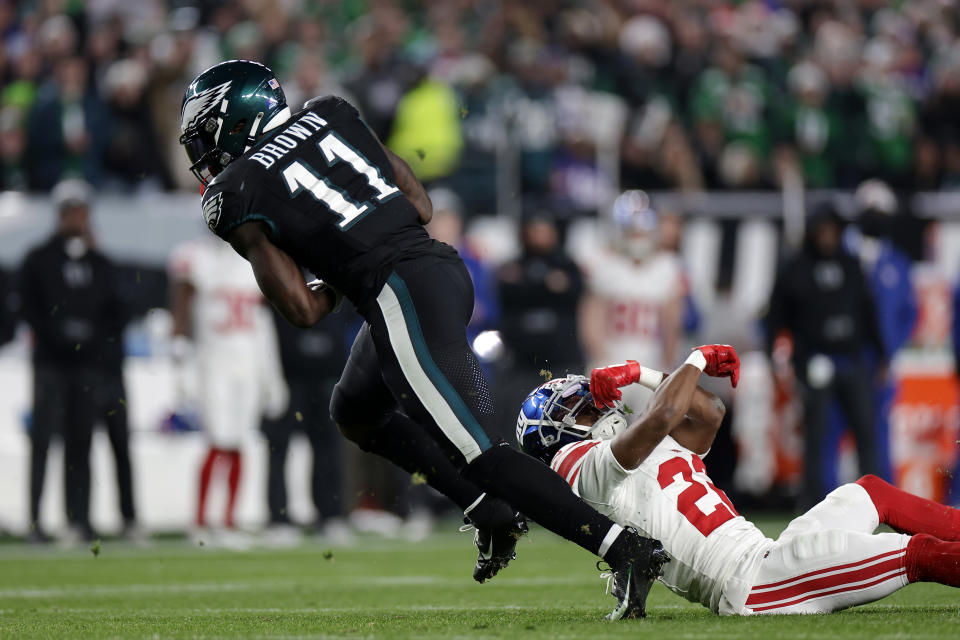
225	332
826	560
635	293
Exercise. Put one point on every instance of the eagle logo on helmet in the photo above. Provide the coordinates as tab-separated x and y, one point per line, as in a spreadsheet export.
196	107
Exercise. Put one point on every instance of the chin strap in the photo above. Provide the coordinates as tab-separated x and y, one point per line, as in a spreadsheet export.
252	137
282	116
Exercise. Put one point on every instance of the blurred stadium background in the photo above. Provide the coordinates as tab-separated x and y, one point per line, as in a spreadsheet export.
737	118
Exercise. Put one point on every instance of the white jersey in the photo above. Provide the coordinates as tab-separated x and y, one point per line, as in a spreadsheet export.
229	314
238	372
635	296
671	498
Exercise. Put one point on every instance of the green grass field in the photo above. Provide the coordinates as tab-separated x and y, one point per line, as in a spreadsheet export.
387	589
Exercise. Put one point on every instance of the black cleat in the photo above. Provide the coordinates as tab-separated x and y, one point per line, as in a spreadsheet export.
633	579
497	547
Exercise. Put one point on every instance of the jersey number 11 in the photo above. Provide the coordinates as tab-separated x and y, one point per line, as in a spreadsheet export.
299	175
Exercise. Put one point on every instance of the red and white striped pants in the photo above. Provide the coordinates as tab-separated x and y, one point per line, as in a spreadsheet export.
829	559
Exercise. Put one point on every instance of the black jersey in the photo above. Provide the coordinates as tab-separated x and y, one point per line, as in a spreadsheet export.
324	186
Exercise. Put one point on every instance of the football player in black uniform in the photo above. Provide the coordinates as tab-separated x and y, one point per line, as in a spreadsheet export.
315	188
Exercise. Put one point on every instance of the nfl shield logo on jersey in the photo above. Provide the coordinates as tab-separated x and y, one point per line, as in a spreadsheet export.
211	210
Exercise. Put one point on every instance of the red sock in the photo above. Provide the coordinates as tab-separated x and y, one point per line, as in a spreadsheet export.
206	471
911	514
233	481
931	560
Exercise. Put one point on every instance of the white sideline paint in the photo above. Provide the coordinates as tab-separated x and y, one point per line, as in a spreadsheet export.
96	591
174	612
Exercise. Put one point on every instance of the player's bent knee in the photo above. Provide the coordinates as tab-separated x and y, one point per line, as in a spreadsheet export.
339	408
347	411
868	481
354	421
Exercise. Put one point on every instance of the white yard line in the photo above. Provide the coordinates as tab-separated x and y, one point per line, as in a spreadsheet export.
178	612
107	590
84	591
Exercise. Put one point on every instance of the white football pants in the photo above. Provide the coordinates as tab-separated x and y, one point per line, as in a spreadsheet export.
829	559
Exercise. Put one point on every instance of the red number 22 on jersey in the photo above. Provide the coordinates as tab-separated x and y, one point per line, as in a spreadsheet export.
700	502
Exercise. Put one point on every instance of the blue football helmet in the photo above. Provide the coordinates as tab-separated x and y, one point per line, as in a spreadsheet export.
548	417
632	212
634	225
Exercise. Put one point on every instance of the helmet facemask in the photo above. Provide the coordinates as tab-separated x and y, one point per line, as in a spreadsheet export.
608	425
638	244
206	159
568	414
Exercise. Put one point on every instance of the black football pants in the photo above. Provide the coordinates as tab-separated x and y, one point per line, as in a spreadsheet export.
111	398
64	403
308	398
418	329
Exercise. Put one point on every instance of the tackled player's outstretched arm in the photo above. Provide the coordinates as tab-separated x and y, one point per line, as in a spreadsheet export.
411	187
699	427
280	278
667	409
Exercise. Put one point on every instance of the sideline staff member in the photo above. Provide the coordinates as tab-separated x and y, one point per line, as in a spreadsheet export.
821	296
69	298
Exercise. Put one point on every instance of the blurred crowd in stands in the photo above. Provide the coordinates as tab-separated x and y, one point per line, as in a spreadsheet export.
546	113
683	95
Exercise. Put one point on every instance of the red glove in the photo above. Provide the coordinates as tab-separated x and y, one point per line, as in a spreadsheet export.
604	382
722	362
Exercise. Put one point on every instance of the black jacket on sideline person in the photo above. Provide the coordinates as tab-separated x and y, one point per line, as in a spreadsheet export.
822	297
68	296
539	296
72	305
826	304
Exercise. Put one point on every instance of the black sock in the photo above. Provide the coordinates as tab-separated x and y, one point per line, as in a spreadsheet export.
542	495
410	447
490	513
623	548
